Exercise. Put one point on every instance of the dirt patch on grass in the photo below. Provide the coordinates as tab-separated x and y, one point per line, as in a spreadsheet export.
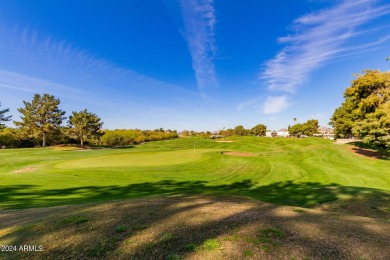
192	227
224	141
27	169
239	153
70	147
368	153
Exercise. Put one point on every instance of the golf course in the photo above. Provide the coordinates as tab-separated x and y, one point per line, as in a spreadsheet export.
195	130
198	198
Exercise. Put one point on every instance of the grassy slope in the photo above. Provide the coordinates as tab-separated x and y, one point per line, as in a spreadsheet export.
302	172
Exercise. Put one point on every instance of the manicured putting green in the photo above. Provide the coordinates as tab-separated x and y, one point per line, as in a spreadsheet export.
159	158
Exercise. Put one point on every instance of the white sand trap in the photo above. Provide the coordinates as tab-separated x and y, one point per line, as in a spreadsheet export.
27	169
239	154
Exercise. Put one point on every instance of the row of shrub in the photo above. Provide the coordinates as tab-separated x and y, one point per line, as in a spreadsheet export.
121	137
16	137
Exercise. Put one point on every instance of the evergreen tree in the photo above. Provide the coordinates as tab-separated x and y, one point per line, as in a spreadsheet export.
365	113
3	117
41	116
342	120
84	124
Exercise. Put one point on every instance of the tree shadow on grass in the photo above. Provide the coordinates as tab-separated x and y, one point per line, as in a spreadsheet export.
371	151
305	194
183	225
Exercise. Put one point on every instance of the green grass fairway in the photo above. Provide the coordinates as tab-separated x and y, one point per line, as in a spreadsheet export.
297	172
136	159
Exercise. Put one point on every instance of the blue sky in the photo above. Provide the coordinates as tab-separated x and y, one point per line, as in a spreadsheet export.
190	64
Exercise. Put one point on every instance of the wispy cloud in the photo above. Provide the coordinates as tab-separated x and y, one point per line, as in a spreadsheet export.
320	37
199	26
28	84
275	104
33	63
253	103
28	59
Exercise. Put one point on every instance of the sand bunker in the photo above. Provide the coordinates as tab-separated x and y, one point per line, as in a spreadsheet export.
239	154
28	169
224	141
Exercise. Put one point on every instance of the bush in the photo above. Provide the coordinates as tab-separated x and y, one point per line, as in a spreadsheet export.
123	137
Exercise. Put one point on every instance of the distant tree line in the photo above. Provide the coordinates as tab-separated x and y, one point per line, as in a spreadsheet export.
121	137
365	112
305	129
41	125
258	130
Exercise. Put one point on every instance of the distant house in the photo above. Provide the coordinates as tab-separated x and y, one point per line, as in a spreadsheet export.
282	133
215	135
325	132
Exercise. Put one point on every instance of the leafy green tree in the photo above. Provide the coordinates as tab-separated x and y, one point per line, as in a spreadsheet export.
296	130
8	137
259	130
240	130
309	128
41	116
342	120
226	133
84	124
366	108
3	117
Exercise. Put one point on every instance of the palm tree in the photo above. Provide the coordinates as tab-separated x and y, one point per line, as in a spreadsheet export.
295	119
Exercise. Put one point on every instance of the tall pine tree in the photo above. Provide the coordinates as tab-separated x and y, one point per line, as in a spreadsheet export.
84	124
41	116
3	117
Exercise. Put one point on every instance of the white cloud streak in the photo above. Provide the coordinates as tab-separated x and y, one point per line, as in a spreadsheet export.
253	103
199	25
320	37
31	63
27	84
275	104
29	59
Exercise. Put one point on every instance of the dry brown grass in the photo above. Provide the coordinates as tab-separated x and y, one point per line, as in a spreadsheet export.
193	227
